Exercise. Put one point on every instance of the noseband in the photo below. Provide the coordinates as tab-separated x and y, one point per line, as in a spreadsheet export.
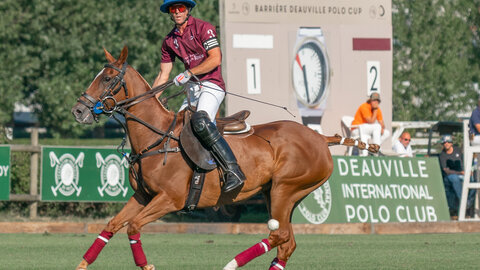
97	106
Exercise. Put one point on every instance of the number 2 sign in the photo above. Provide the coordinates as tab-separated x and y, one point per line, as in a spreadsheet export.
373	77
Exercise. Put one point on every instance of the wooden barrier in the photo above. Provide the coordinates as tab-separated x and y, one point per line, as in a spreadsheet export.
249	228
33	197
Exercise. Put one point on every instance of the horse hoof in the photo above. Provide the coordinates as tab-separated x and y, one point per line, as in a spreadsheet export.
82	265
232	265
149	267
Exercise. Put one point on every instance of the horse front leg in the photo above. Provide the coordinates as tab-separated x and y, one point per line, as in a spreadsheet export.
131	209
160	205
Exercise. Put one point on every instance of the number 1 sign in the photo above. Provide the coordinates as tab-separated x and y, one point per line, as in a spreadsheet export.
253	76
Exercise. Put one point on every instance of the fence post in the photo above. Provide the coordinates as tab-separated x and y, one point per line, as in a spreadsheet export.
34	173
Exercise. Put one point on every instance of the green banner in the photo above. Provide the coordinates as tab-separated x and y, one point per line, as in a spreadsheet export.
4	172
84	174
377	190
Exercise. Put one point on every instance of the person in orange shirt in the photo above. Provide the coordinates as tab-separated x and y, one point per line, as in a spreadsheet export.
368	122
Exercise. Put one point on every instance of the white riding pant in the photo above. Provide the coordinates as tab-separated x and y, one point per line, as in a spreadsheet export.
370	131
206	97
476	140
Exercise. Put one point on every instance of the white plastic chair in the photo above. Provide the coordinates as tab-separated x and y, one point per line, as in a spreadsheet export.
347	131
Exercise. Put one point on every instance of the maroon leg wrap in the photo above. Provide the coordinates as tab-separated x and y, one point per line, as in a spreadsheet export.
253	252
137	250
277	264
97	246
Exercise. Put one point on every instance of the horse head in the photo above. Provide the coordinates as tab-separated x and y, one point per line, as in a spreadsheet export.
105	91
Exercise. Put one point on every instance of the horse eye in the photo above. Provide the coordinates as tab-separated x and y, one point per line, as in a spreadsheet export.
107	79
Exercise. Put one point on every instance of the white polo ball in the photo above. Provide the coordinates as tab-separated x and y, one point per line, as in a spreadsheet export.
273	224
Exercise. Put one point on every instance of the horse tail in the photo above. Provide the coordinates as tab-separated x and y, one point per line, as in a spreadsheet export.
339	140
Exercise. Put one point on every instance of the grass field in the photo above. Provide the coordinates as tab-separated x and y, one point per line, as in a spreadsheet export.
205	251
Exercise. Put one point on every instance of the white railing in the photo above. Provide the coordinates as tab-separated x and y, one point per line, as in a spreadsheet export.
468	153
419	144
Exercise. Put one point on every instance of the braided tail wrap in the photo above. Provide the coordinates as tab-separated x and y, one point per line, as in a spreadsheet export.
339	140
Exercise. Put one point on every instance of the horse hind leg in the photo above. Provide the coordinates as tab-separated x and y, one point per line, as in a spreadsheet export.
281	209
254	251
281	237
284	251
131	208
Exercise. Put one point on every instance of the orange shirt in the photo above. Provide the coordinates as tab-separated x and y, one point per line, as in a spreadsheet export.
365	111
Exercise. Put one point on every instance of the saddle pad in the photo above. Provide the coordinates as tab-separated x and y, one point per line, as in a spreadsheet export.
195	150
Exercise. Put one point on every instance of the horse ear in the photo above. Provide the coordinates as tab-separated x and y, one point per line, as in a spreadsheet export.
109	57
123	55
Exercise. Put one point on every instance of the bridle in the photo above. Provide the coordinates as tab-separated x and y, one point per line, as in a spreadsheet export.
98	106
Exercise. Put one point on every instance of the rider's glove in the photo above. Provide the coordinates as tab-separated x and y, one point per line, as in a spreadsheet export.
182	78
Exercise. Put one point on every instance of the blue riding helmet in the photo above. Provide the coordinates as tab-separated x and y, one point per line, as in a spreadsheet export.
167	3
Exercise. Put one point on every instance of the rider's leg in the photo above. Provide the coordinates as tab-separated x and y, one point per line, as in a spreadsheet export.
208	134
210	98
207	98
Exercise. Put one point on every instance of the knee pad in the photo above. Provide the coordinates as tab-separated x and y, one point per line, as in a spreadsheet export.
199	121
205	130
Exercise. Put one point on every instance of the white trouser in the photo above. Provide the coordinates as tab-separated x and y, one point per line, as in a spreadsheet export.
206	98
475	141
370	131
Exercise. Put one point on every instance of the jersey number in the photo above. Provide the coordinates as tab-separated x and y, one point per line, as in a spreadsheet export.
211	34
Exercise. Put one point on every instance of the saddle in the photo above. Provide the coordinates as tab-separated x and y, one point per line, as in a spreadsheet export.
232	125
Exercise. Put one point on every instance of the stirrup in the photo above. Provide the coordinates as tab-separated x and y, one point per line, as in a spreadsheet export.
232	182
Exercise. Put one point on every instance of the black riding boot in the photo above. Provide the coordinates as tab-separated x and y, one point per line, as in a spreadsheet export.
209	136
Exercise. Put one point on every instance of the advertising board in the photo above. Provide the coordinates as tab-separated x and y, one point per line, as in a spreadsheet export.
4	172
377	190
84	174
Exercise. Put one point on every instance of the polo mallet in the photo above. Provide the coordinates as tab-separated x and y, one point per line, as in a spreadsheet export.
54	189
54	161
100	162
124	189
101	189
78	189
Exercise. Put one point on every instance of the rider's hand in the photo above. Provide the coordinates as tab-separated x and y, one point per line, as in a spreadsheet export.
182	78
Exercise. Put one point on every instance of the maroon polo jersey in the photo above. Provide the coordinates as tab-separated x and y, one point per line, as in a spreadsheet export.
191	48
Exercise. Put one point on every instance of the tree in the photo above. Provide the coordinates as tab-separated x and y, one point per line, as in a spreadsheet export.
434	62
52	50
16	68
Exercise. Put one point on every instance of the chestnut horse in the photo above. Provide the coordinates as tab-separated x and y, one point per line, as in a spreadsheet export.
285	160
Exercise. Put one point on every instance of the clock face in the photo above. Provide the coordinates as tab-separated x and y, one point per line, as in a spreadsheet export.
310	73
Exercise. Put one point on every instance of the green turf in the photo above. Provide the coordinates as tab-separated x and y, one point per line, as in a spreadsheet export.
204	251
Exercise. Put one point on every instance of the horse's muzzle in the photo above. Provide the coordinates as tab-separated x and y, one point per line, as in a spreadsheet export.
82	114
